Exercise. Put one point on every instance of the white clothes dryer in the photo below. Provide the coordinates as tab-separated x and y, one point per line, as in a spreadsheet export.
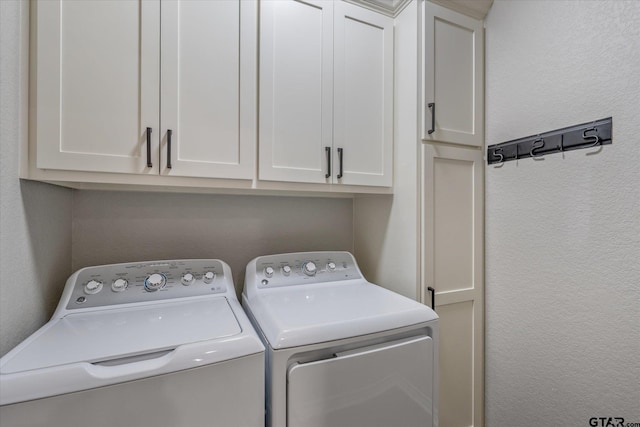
341	352
163	343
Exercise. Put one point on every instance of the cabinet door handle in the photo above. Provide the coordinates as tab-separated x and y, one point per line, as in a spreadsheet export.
433	297
169	148
340	163
432	106
149	164
327	150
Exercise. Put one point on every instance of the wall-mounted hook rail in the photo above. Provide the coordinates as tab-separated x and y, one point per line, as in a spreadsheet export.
585	135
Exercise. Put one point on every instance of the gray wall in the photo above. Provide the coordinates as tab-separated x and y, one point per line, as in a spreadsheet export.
35	218
111	227
563	233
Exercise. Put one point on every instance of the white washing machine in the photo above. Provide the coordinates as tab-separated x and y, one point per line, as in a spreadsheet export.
162	343
341	352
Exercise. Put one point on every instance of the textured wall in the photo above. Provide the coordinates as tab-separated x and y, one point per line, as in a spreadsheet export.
563	233
35	218
111	227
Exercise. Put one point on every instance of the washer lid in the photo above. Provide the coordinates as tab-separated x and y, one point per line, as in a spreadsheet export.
301	315
104	335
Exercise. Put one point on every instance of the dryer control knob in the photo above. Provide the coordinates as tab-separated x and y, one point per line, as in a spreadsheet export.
119	285
208	277
187	279
331	266
309	268
268	271
92	287
286	270
154	282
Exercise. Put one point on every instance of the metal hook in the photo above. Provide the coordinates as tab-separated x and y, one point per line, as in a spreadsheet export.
533	147
597	138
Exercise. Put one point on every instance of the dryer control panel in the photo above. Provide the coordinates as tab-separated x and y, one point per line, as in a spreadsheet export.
302	268
135	282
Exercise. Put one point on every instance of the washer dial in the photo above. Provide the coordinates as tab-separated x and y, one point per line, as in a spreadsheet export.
309	268
187	279
331	266
119	285
155	282
269	272
286	270
208	277
93	287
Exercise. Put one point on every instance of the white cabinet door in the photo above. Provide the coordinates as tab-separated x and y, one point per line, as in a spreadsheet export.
96	85
296	84
208	93
453	264
453	77
363	96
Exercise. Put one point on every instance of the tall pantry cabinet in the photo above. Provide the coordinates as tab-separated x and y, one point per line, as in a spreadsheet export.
430	233
452	217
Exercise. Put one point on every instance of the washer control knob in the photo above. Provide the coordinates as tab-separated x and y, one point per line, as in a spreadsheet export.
155	281
331	266
187	279
92	287
208	277
119	285
309	268
286	270
268	271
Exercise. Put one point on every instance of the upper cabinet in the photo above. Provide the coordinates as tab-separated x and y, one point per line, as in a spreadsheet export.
96	86
296	90
326	94
453	73
165	93
363	96
209	88
146	87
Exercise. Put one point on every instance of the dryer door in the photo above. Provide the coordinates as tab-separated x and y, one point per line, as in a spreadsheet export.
390	384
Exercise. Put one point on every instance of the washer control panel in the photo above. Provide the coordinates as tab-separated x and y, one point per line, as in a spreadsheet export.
147	281
304	268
